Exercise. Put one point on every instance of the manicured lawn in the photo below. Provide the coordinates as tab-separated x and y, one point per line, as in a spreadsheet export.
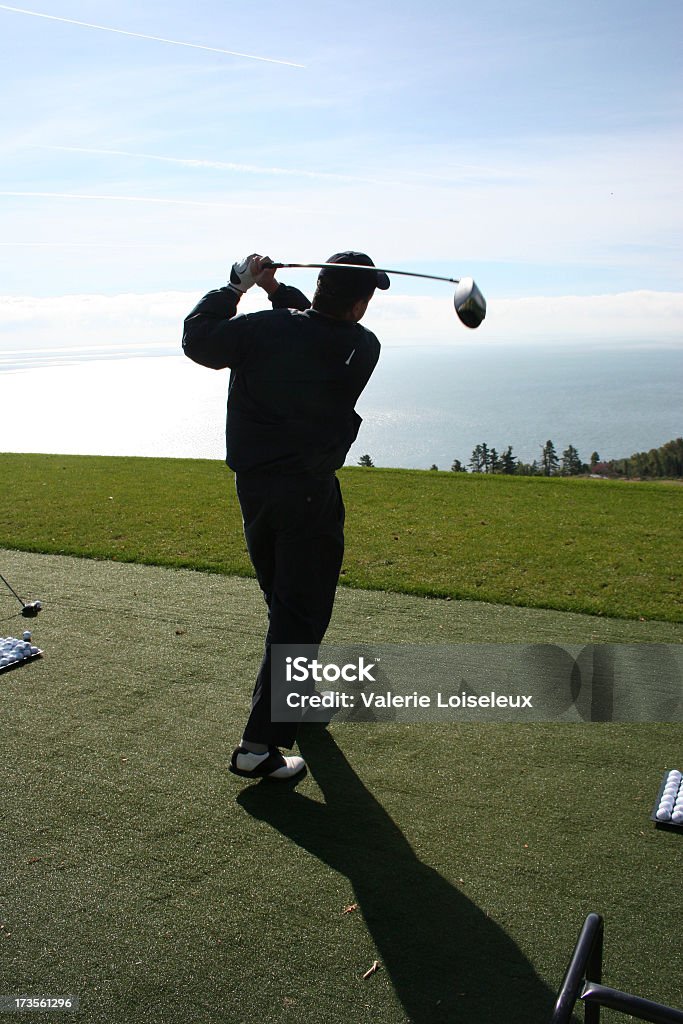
602	547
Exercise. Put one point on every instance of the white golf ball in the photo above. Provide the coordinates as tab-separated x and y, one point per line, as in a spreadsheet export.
674	776
34	650
677	817
27	634
663	814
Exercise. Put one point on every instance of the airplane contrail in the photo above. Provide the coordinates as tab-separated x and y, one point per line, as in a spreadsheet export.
140	35
219	165
466	171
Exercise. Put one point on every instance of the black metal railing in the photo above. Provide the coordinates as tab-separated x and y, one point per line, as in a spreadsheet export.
583	981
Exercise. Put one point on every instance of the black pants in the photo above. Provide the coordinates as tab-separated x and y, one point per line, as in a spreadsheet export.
294	528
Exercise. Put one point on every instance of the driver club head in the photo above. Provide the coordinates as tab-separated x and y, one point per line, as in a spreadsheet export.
30	610
470	304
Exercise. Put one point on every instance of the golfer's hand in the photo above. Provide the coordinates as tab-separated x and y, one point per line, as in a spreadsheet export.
265	274
242	275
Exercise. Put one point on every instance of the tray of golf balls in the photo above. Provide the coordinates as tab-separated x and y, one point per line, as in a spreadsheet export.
14	652
668	809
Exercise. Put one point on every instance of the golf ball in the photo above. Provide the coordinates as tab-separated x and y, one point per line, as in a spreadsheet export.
27	634
663	814
677	816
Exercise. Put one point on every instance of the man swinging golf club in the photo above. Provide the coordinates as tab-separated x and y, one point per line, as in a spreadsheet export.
296	373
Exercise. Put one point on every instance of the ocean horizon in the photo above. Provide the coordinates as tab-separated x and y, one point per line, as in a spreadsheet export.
424	405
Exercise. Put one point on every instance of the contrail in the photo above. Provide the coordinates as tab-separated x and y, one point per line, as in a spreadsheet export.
139	35
220	165
412	177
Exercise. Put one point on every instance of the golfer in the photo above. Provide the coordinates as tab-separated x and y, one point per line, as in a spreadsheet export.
296	373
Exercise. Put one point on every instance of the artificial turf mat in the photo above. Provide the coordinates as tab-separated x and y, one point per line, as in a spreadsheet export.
142	877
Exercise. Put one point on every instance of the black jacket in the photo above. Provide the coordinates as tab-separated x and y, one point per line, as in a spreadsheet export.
296	376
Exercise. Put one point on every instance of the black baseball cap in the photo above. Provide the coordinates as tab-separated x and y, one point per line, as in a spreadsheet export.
352	283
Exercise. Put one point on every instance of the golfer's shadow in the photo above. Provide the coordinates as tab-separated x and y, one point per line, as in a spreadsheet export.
447	961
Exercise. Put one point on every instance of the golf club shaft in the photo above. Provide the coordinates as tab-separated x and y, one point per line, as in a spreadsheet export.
12	589
358	266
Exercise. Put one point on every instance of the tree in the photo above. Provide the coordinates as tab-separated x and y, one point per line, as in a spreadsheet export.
654	463
477	459
433	466
549	459
494	461
365	460
595	458
665	461
457	467
571	462
507	461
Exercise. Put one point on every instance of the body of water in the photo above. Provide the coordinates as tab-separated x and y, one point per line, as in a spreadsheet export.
422	406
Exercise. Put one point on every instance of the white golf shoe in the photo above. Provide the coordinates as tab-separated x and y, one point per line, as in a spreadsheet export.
271	765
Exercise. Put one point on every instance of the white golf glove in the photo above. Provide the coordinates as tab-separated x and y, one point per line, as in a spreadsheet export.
241	275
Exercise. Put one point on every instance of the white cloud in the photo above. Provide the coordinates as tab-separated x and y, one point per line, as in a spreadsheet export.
153	320
643	319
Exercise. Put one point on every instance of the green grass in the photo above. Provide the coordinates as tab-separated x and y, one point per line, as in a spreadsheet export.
139	875
600	547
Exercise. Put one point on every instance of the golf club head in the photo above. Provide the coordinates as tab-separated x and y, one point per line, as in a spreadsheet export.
30	610
470	304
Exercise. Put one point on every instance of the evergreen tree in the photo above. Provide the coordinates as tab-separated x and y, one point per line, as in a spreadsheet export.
365	460
507	461
571	462
457	467
549	459
595	458
494	461
477	459
433	466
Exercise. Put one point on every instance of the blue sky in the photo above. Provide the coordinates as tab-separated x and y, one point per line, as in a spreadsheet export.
535	146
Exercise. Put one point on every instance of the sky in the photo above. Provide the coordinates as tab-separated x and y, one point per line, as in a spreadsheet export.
536	147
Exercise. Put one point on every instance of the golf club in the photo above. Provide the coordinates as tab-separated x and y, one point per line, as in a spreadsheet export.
470	304
28	609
